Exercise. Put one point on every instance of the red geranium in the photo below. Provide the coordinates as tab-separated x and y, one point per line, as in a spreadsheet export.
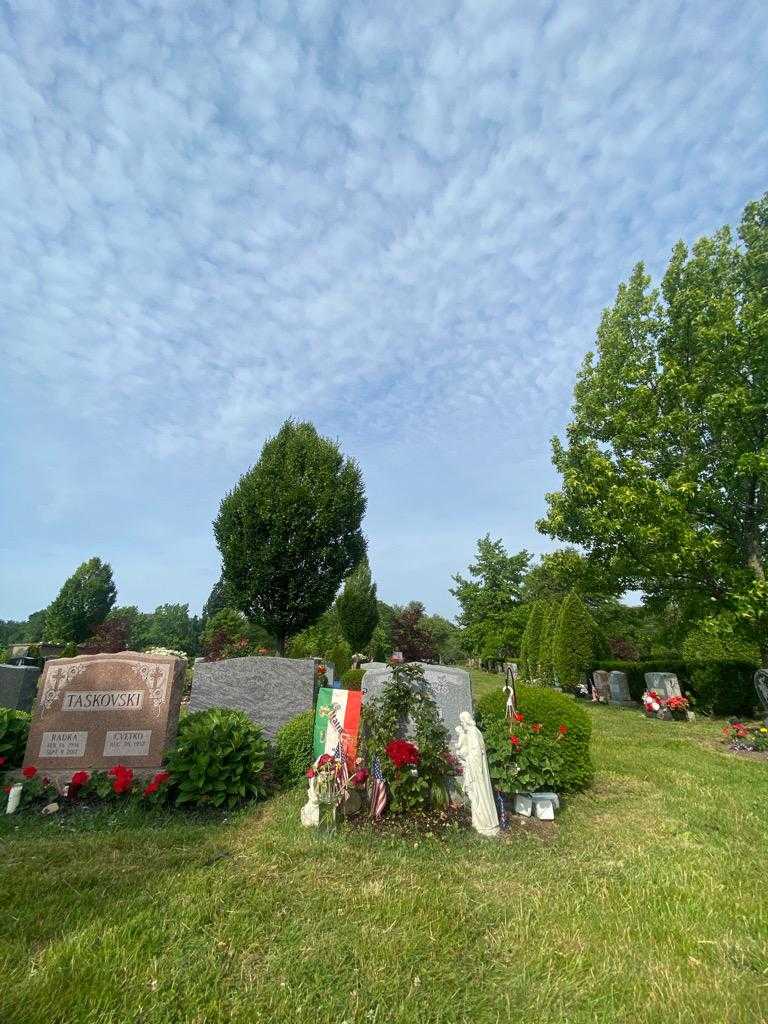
79	779
123	778
515	741
562	729
518	717
536	727
29	772
161	777
402	753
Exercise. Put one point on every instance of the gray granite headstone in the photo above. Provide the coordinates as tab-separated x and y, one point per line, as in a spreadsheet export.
18	686
619	687
664	683
450	687
271	691
761	686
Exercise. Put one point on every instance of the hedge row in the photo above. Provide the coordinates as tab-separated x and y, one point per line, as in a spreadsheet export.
716	687
552	709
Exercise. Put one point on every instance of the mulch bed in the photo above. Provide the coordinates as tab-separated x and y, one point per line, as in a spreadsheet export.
424	825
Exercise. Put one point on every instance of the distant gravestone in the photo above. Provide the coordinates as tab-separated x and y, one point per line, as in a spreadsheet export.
450	687
761	686
271	691
601	689
664	683
619	687
99	710
18	686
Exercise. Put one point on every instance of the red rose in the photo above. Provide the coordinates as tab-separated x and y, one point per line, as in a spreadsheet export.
519	717
29	772
562	729
515	741
536	727
402	753
311	773
79	779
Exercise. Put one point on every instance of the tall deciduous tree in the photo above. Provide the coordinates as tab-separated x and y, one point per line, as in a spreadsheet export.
82	603
410	634
665	467
357	607
490	600
290	531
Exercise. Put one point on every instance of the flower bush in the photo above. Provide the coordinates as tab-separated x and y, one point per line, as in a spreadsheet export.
740	736
524	756
219	759
418	770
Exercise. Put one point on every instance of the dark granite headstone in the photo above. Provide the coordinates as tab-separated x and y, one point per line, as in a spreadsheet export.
18	686
450	687
271	691
619	687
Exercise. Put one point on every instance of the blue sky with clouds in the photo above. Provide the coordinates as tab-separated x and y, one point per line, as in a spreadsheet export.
398	220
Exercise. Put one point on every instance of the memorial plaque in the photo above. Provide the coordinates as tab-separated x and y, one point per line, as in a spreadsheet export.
450	687
98	710
18	686
619	687
271	691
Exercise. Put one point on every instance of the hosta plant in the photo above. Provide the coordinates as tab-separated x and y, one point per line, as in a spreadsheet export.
219	759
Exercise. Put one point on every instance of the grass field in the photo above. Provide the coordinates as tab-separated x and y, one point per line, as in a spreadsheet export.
644	902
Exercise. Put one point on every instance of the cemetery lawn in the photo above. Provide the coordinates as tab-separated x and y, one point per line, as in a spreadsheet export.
644	902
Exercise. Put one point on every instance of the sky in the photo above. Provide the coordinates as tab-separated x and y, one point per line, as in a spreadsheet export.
400	221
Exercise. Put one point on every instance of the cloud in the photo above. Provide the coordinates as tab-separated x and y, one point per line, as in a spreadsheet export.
401	222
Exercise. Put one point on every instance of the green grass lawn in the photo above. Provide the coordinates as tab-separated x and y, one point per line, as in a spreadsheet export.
644	902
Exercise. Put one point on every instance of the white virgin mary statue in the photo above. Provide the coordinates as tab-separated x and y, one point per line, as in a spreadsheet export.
476	778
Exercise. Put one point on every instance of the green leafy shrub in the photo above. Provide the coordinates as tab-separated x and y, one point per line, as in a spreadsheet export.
716	687
340	656
353	679
293	749
573	644
551	709
70	651
525	757
219	759
14	729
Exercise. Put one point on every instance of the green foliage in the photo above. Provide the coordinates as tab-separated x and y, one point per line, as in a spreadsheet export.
218	599
219	759
358	608
293	749
228	634
289	532
410	633
340	656
490	600
524	757
353	678
545	671
665	468
530	646
70	651
551	709
170	625
407	696
381	642
34	626
559	572
715	639
82	603
573	646
14	729
447	640
11	632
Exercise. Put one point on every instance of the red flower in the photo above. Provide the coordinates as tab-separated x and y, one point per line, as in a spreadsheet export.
79	779
323	759
151	787
402	753
161	777
29	772
2	761
562	729
515	741
123	778
519	717
311	773
536	727
359	777
6	789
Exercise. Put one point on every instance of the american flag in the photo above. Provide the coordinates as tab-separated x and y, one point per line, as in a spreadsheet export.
378	790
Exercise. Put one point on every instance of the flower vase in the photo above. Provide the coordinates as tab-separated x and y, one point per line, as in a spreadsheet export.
327	816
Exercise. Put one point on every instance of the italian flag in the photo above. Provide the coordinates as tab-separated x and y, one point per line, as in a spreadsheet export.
342	707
